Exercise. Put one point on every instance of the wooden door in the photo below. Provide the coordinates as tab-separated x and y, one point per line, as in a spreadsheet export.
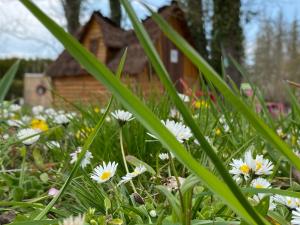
173	61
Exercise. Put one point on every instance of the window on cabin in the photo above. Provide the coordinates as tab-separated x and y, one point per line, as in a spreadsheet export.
174	55
94	44
111	53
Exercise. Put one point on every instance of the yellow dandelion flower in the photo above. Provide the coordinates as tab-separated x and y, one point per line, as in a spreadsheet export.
218	131
39	124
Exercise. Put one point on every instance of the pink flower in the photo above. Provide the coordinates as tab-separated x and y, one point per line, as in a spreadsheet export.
53	192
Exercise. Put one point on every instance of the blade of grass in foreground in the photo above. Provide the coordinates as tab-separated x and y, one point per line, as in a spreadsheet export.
7	80
186	114
86	146
141	112
213	76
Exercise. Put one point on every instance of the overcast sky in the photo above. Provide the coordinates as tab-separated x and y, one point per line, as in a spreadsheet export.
22	35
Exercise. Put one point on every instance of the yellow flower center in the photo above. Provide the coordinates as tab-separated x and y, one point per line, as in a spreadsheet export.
259	186
39	124
96	110
218	131
197	104
105	175
135	173
258	165
245	169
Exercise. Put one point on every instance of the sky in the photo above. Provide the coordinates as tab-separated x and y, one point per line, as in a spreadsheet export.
21	35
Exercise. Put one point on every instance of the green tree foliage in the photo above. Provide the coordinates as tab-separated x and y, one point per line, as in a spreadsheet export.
276	57
26	66
227	35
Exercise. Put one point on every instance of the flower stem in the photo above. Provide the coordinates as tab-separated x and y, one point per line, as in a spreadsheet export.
124	159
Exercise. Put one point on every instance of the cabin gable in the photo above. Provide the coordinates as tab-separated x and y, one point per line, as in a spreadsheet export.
93	40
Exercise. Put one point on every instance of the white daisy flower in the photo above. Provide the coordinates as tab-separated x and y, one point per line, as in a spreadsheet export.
103	173
122	116
36	110
226	128
263	166
126	178
79	220
259	165
222	119
85	161
139	170
40	117
129	176
296	216
26	119
239	167
53	144
288	201
71	115
153	213
175	114
14	107
61	119
28	136
163	156
50	112
224	123
5	136
14	123
260	183
184	98
179	130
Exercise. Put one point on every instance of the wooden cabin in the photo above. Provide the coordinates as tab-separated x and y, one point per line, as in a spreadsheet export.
108	42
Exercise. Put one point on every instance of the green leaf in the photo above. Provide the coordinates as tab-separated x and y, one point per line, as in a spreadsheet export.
263	206
7	80
190	182
278	218
171	199
34	222
86	146
161	71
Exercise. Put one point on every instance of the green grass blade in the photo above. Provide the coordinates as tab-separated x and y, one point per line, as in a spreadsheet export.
141	112
34	222
171	199
165	79
293	100
86	146
213	76
7	80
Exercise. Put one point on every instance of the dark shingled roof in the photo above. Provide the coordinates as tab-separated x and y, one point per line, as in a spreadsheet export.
117	38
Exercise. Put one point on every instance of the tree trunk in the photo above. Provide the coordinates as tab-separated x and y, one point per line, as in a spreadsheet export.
197	27
227	36
115	11
72	14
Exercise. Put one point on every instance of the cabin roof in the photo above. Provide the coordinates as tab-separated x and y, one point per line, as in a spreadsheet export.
117	38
